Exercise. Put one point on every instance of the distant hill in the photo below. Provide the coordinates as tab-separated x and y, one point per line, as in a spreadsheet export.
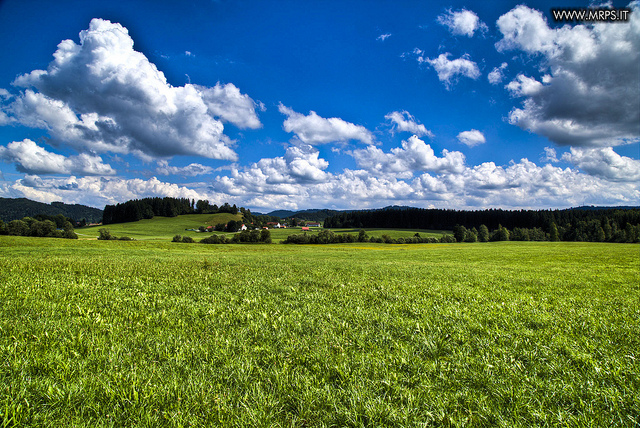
311	215
15	209
591	207
323	213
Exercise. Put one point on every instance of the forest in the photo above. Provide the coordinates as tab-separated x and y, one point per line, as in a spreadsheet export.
41	225
147	208
587	225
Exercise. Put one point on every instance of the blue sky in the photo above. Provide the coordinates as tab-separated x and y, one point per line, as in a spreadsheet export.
336	104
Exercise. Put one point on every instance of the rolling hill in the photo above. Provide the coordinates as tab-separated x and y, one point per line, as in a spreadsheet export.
161	228
16	209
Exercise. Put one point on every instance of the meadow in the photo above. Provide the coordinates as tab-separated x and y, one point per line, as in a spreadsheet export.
165	228
152	333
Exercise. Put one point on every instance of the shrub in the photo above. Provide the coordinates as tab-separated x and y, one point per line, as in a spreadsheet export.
105	235
214	239
448	239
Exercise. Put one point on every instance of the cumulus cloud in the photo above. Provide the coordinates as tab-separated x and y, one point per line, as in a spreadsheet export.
227	103
383	37
497	74
471	138
462	23
414	155
404	122
96	191
518	185
313	129
449	70
605	163
588	94
550	155
190	170
103	96
33	159
301	166
283	182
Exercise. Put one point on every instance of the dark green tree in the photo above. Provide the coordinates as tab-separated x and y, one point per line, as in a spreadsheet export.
17	228
265	236
459	232
104	234
483	233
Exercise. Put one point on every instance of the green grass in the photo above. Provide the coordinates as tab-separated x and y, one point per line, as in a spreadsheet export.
165	228
143	333
279	235
161	228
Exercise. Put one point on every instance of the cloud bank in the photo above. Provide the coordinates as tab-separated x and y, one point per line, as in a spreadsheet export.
589	91
103	96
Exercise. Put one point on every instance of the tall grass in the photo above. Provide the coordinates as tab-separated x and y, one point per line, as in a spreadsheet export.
160	334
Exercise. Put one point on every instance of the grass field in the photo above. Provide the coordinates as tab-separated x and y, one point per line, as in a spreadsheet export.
161	228
165	228
142	333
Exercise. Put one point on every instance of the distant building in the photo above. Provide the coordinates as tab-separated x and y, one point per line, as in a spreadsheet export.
314	225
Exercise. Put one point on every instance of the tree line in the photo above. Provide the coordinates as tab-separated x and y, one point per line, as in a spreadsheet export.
246	236
147	208
595	225
41	225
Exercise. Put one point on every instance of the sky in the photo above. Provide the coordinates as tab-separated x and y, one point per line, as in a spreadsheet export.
319	104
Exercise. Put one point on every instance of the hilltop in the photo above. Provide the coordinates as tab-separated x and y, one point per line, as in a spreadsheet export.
18	208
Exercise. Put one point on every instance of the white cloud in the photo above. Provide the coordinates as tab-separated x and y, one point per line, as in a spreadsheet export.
588	96
404	122
462	23
605	163
550	155
518	185
227	103
103	96
449	70
471	138
525	28
97	191
496	75
383	37
299	180
190	170
33	159
313	129
414	155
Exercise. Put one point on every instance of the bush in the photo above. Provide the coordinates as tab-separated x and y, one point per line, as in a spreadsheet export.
187	240
69	234
105	235
448	239
177	238
214	239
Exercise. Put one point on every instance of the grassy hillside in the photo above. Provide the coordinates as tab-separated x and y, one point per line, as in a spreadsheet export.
16	209
281	234
109	333
165	228
161	228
